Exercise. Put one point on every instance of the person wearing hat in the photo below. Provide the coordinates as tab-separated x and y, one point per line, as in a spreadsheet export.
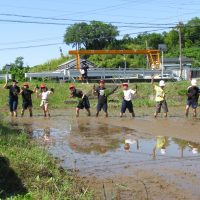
127	100
160	97
83	101
14	91
102	92
26	99
192	98
44	94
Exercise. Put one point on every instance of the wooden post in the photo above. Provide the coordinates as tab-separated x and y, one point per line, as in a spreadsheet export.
78	61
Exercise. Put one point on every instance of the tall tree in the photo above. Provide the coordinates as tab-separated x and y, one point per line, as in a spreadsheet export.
95	35
191	32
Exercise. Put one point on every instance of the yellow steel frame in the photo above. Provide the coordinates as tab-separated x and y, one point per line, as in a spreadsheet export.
153	56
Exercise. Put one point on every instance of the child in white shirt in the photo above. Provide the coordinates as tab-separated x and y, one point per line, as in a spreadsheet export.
44	99
127	100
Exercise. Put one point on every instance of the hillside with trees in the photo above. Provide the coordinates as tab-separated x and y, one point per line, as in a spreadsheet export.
97	35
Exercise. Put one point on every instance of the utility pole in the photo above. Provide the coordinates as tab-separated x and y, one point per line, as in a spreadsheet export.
147	63
125	62
162	48
180	49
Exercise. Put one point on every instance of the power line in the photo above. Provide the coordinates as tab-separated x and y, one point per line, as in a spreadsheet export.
28	47
83	20
53	44
34	22
65	24
30	41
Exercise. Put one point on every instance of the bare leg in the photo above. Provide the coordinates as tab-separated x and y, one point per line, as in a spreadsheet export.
30	112
155	114
106	114
47	110
43	108
22	112
97	113
89	113
11	114
15	113
165	114
187	110
121	114
133	114
77	112
194	112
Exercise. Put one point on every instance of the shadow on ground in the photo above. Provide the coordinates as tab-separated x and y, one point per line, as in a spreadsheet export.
10	183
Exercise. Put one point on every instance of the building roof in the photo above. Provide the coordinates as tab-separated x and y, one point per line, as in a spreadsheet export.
71	64
185	60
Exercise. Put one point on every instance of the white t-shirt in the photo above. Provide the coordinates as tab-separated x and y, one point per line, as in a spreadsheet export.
82	71
45	95
128	94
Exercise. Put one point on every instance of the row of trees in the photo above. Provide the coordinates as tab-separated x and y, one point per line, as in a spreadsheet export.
98	35
16	69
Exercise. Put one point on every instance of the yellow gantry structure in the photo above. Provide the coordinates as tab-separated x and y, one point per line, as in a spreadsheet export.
153	56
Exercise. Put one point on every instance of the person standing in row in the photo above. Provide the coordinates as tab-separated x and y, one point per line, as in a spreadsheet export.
83	101
127	100
14	91
44	94
26	99
102	92
192	98
160	97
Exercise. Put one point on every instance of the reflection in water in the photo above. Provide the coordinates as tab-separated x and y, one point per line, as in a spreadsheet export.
161	145
46	135
163	142
130	142
86	137
195	147
94	146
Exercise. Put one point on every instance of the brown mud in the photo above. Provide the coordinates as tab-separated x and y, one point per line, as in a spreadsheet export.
141	158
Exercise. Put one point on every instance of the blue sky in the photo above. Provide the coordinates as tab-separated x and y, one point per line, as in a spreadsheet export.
17	35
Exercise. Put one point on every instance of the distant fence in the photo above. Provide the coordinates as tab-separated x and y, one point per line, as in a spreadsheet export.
103	73
195	73
5	77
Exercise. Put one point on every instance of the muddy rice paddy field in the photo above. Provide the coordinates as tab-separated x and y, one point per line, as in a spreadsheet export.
141	158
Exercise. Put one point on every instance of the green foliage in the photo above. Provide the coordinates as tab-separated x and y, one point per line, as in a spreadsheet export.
182	92
95	35
50	65
18	69
191	33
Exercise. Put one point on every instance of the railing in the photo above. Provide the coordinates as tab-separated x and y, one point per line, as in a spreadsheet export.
5	77
103	73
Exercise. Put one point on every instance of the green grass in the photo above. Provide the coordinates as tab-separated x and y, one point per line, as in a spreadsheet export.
50	65
27	171
175	92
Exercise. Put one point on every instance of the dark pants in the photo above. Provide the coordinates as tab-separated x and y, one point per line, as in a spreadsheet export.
13	103
163	105
126	105
192	103
103	106
84	103
26	104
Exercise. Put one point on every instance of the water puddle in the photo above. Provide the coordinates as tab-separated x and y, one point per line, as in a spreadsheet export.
105	150
126	157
